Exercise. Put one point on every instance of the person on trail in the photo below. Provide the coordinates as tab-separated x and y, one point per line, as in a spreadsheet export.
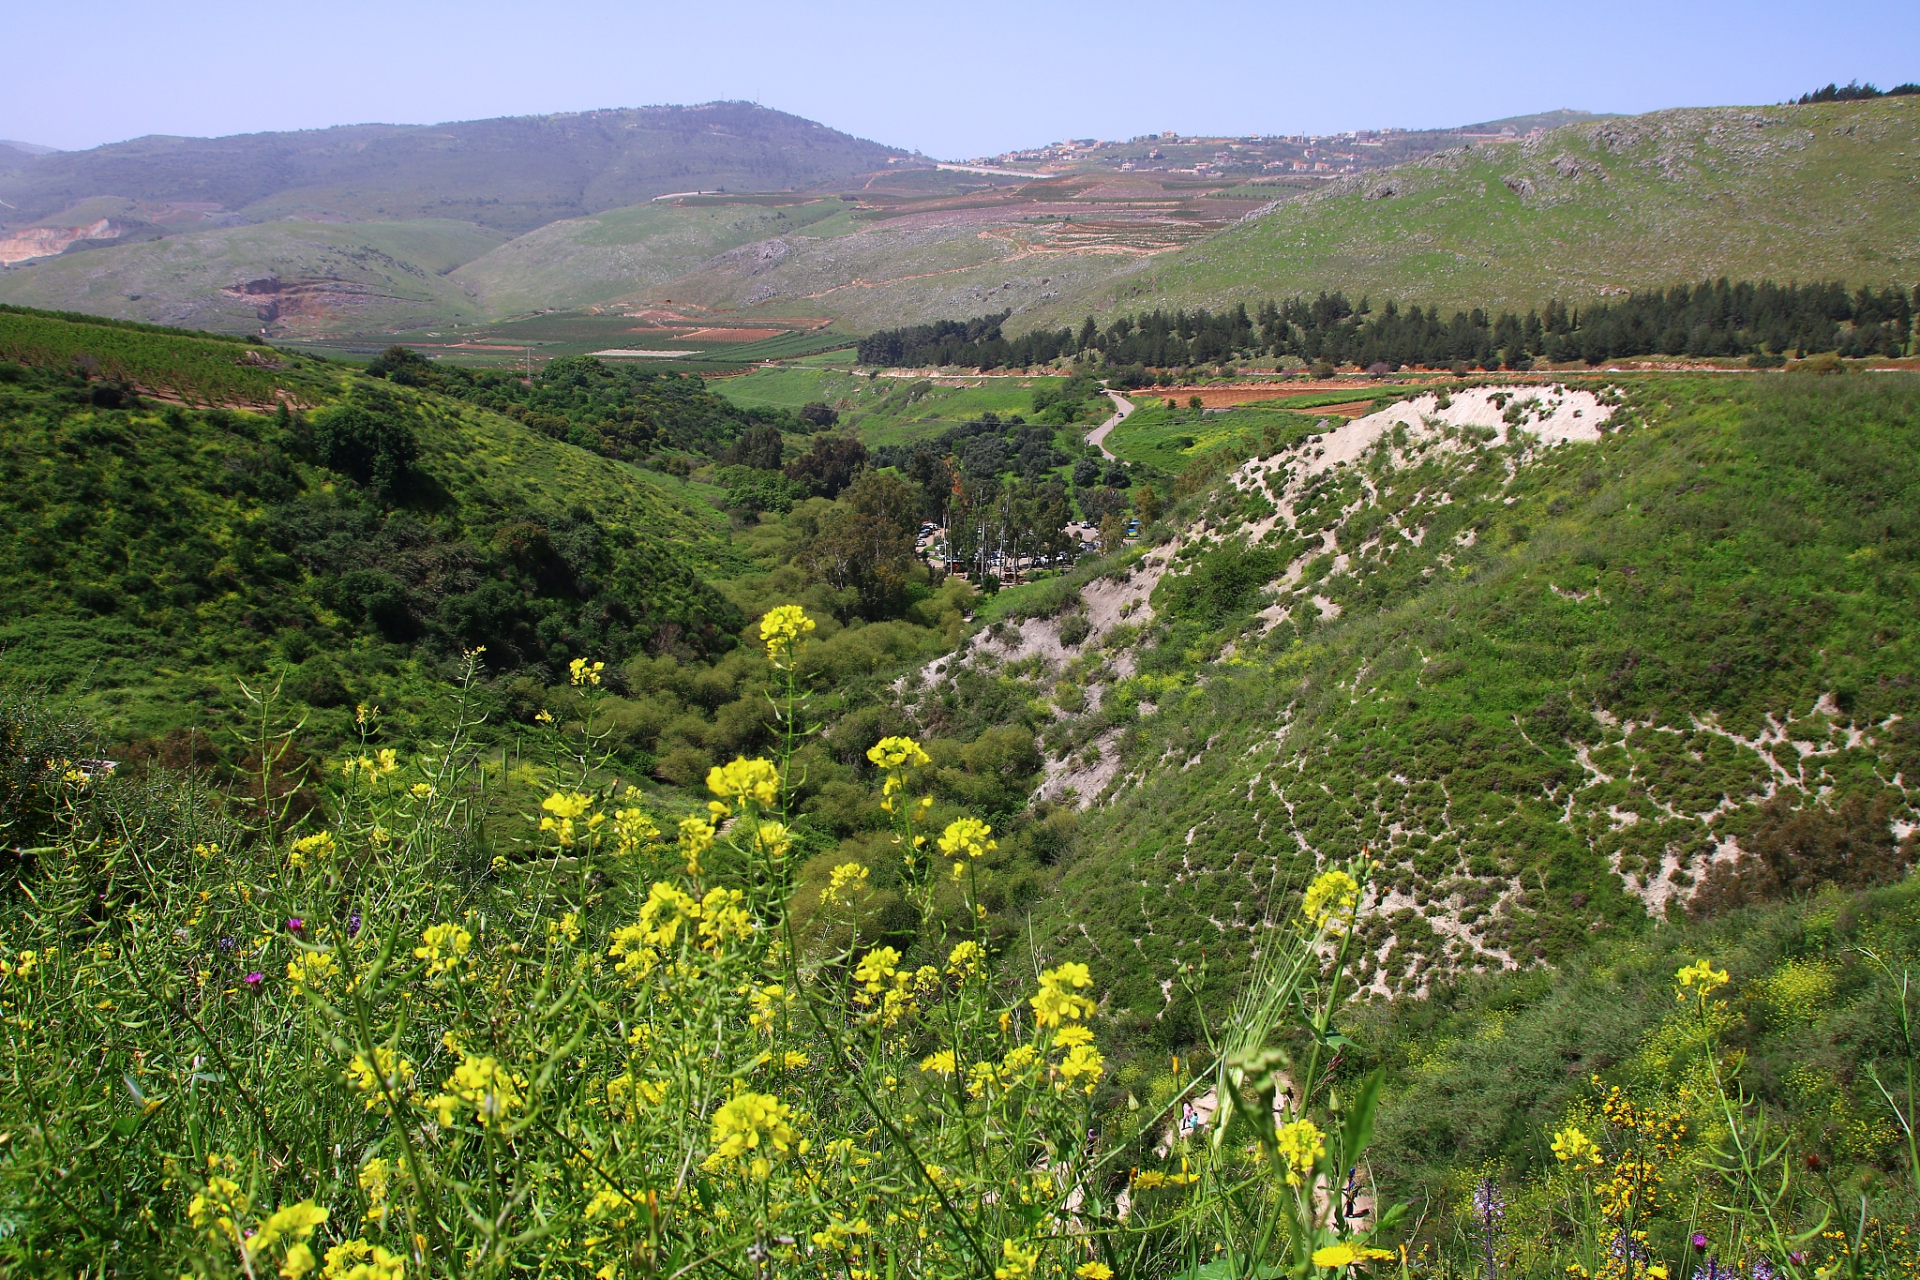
1189	1119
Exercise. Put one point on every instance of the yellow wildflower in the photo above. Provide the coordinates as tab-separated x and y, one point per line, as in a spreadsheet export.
940	1063
387	1073
1571	1146
482	1084
374	1177
745	779
1056	1002
875	968
1701	975
319	846
1019	1261
634	830
1301	1143
443	947
696	837
1083	1061
966	960
1345	1254
967	836
584	672
747	1127
774	840
311	969
780	631
358	1260
1093	1271
898	753
846	878
215	1207
1333	893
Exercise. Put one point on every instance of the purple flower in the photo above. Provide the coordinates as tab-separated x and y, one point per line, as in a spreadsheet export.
1488	1204
1761	1269
226	944
1796	1257
1699	1240
1713	1270
353	925
254	980
295	924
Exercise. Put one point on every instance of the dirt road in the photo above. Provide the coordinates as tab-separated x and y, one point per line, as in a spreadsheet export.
1098	436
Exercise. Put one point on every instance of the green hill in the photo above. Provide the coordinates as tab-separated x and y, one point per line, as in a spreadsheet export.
1555	688
1783	192
356	547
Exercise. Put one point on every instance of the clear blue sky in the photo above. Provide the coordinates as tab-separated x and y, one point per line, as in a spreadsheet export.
953	79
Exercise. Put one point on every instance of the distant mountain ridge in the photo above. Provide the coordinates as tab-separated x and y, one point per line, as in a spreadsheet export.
509	174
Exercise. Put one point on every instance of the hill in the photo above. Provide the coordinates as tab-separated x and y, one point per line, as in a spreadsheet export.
509	174
354	547
1561	662
1784	192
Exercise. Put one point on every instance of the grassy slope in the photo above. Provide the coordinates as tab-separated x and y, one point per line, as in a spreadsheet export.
884	410
1752	550
1786	192
584	261
387	274
162	516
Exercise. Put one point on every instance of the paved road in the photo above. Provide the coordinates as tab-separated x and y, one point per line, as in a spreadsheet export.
1098	436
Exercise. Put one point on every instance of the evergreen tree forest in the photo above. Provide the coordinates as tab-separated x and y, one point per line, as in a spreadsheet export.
1763	322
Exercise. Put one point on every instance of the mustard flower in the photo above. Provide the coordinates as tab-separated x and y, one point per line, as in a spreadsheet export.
1056	1001
358	1260
633	830
1333	893
966	960
1301	1143
745	779
747	1127
584	672
940	1064
387	1073
443	947
311	969
1700	976
482	1084
898	753
967	836
1571	1146
847	877
1083	1061
1018	1261
780	631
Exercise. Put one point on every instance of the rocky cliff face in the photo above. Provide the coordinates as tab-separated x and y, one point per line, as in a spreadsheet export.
44	242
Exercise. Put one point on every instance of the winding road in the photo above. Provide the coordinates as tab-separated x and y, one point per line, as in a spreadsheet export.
1098	436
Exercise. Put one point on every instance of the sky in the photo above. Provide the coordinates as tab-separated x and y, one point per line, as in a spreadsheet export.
951	80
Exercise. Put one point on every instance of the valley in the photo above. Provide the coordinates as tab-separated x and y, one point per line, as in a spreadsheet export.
675	692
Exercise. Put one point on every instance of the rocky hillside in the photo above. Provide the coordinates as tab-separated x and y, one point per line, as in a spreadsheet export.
1784	192
1565	662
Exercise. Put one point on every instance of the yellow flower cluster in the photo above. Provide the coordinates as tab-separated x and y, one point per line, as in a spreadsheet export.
1056	1002
491	1091
743	780
584	672
312	969
1699	978
444	947
634	830
847	877
898	753
1572	1147
319	846
388	1073
748	1128
378	765
1017	1261
718	918
564	808
1332	896
780	631
358	1260
1300	1143
1345	1254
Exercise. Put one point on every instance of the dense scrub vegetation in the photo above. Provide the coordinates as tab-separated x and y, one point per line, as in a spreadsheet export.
151	547
124	357
616	409
1714	318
